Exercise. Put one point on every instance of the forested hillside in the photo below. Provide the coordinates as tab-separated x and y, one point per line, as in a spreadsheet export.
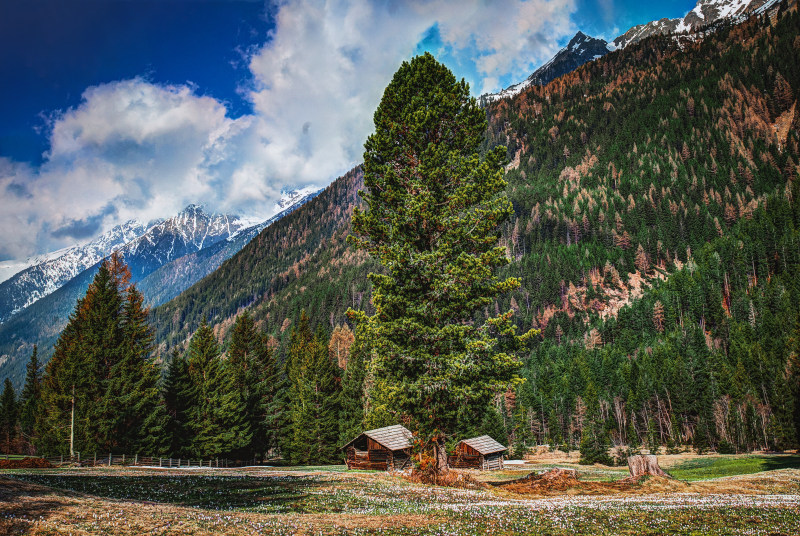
657	238
299	261
655	233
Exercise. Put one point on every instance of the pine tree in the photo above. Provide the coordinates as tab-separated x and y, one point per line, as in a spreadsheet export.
180	397
30	399
219	422
77	375
299	372
326	397
8	418
351	419
433	213
252	370
269	408
137	422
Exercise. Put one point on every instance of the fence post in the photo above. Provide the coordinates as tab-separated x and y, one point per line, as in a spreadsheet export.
179	463
123	459
62	459
159	461
135	459
79	458
95	458
109	459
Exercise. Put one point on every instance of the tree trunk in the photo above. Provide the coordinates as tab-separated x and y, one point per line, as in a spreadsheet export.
645	465
440	452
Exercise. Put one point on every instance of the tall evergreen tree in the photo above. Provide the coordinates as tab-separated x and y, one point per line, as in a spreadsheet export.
434	208
8	417
314	396
219	421
266	412
30	399
137	418
351	419
77	375
180	396
299	374
249	364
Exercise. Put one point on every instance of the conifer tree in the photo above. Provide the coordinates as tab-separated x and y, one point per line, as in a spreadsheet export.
30	399
137	418
78	373
351	419
326	402
299	372
434	208
269	409
246	366
219	422
8	417
180	396
313	395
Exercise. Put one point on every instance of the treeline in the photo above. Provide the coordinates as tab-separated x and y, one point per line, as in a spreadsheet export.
103	392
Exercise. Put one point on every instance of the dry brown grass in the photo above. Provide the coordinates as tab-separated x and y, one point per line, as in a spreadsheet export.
32	509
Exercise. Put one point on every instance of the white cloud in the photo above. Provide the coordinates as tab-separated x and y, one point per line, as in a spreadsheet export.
136	149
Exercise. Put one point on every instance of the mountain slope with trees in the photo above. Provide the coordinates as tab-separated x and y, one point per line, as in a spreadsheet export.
629	178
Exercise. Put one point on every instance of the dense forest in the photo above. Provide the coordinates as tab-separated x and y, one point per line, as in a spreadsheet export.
656	235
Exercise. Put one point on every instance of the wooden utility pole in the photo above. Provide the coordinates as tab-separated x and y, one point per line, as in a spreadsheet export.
72	425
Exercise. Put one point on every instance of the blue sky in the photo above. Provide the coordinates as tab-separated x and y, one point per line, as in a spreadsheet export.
114	109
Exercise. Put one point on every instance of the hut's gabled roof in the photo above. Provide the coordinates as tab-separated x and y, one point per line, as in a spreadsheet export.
484	444
395	437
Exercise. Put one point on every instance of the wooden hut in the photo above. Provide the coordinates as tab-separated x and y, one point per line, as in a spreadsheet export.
387	448
477	453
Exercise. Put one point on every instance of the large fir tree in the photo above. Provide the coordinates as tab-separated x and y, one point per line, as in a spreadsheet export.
8	417
313	396
30	399
434	208
219	421
180	396
351	417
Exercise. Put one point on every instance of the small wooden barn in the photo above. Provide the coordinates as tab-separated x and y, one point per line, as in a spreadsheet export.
481	452
387	448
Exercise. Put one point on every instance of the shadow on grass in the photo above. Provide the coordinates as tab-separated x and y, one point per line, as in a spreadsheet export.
773	463
267	494
20	502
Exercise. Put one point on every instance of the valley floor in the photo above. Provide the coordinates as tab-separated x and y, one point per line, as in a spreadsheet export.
712	495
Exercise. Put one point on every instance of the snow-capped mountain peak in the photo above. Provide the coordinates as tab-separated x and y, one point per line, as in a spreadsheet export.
45	273
580	49
705	13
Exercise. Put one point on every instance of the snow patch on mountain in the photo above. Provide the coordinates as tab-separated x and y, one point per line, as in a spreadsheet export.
45	273
144	247
580	49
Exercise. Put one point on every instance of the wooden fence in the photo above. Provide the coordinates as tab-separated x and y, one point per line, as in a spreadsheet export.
136	460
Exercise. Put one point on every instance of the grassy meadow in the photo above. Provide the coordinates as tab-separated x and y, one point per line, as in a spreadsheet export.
710	495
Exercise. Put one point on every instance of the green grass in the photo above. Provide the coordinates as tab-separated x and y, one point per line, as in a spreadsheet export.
717	466
455	511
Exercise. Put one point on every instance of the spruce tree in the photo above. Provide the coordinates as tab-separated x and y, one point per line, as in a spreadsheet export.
8	417
30	399
267	413
326	398
137	418
77	375
180	396
302	347
219	423
248	363
433	213
351	419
